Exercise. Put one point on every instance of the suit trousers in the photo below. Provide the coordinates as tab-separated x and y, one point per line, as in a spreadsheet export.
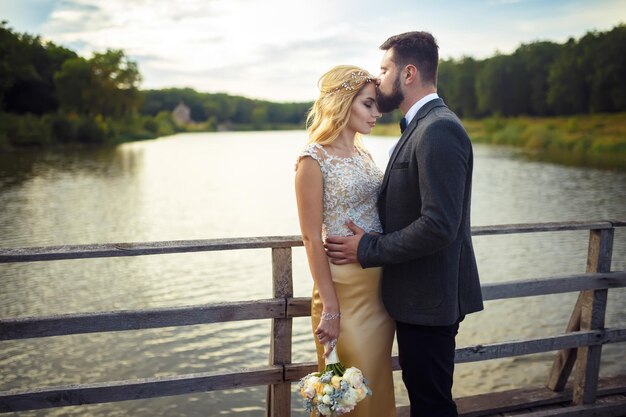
426	356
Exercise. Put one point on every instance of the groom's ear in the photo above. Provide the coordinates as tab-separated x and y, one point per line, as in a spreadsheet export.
410	74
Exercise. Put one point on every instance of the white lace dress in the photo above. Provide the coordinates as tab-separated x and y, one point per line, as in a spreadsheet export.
351	187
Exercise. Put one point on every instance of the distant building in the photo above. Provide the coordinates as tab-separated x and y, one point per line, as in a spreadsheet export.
182	114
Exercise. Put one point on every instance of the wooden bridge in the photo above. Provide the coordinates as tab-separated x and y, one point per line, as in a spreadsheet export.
578	349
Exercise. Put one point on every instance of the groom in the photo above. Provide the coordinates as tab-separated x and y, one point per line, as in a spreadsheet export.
430	280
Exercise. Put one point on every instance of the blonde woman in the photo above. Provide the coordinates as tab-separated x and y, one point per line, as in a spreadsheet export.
336	181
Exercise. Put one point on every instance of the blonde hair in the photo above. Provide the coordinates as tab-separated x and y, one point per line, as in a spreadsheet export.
331	111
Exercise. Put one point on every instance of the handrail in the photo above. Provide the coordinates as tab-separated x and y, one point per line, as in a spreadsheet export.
109	250
585	334
272	308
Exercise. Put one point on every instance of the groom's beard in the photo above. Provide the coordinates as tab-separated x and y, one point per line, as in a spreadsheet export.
388	103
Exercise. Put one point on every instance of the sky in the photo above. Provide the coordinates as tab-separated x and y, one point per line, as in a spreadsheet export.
277	49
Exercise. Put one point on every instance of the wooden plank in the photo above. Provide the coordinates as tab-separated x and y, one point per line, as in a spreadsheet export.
301	306
592	317
30	327
539	227
525	346
279	394
553	285
108	250
607	408
537	345
511	401
13	401
522	398
293	372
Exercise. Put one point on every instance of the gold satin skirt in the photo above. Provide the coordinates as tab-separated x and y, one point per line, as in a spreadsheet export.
365	335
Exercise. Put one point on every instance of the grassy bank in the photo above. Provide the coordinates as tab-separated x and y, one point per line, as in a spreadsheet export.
58	130
578	140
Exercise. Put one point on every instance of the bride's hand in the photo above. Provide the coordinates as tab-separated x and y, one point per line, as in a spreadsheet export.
326	332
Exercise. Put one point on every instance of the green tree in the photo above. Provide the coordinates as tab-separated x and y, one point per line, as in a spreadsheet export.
75	86
106	85
457	85
568	92
116	79
27	67
500	86
537	58
606	57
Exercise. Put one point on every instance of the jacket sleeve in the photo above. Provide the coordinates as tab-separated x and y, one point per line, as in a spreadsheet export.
442	161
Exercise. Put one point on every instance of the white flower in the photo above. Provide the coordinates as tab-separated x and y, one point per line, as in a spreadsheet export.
362	392
328	389
326	399
354	377
308	391
312	379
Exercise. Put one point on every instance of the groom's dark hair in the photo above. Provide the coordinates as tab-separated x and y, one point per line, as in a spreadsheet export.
415	48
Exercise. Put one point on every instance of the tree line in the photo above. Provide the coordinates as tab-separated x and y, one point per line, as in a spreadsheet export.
215	110
49	94
584	76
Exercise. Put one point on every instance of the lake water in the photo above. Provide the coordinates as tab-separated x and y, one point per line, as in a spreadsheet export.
216	185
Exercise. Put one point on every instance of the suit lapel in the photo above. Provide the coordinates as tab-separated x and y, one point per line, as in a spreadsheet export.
426	108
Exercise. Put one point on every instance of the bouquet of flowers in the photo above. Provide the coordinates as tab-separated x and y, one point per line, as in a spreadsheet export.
335	391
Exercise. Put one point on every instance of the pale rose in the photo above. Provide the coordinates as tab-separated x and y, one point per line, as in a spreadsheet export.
361	393
336	381
326	399
308	391
328	389
354	377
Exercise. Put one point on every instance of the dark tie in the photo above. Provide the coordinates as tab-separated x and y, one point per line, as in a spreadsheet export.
402	125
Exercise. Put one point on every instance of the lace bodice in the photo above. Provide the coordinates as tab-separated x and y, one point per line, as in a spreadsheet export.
351	187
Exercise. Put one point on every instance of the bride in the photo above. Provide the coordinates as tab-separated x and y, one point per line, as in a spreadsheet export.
337	180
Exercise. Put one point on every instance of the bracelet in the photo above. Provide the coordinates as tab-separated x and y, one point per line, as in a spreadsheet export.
330	316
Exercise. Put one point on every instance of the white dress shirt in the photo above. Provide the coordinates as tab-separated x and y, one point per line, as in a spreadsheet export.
413	111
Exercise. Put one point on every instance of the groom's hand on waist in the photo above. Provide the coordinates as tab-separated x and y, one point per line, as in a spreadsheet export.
343	249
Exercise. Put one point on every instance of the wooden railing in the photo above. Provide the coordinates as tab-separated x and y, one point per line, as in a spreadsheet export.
579	348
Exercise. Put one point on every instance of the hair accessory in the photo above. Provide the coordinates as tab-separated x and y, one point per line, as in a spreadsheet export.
356	80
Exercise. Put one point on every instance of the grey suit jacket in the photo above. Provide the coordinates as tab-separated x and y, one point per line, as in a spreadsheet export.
429	269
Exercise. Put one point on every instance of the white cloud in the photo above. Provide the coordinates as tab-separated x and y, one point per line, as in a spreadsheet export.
277	49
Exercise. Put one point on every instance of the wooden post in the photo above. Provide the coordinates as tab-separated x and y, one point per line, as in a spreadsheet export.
279	395
598	260
592	314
